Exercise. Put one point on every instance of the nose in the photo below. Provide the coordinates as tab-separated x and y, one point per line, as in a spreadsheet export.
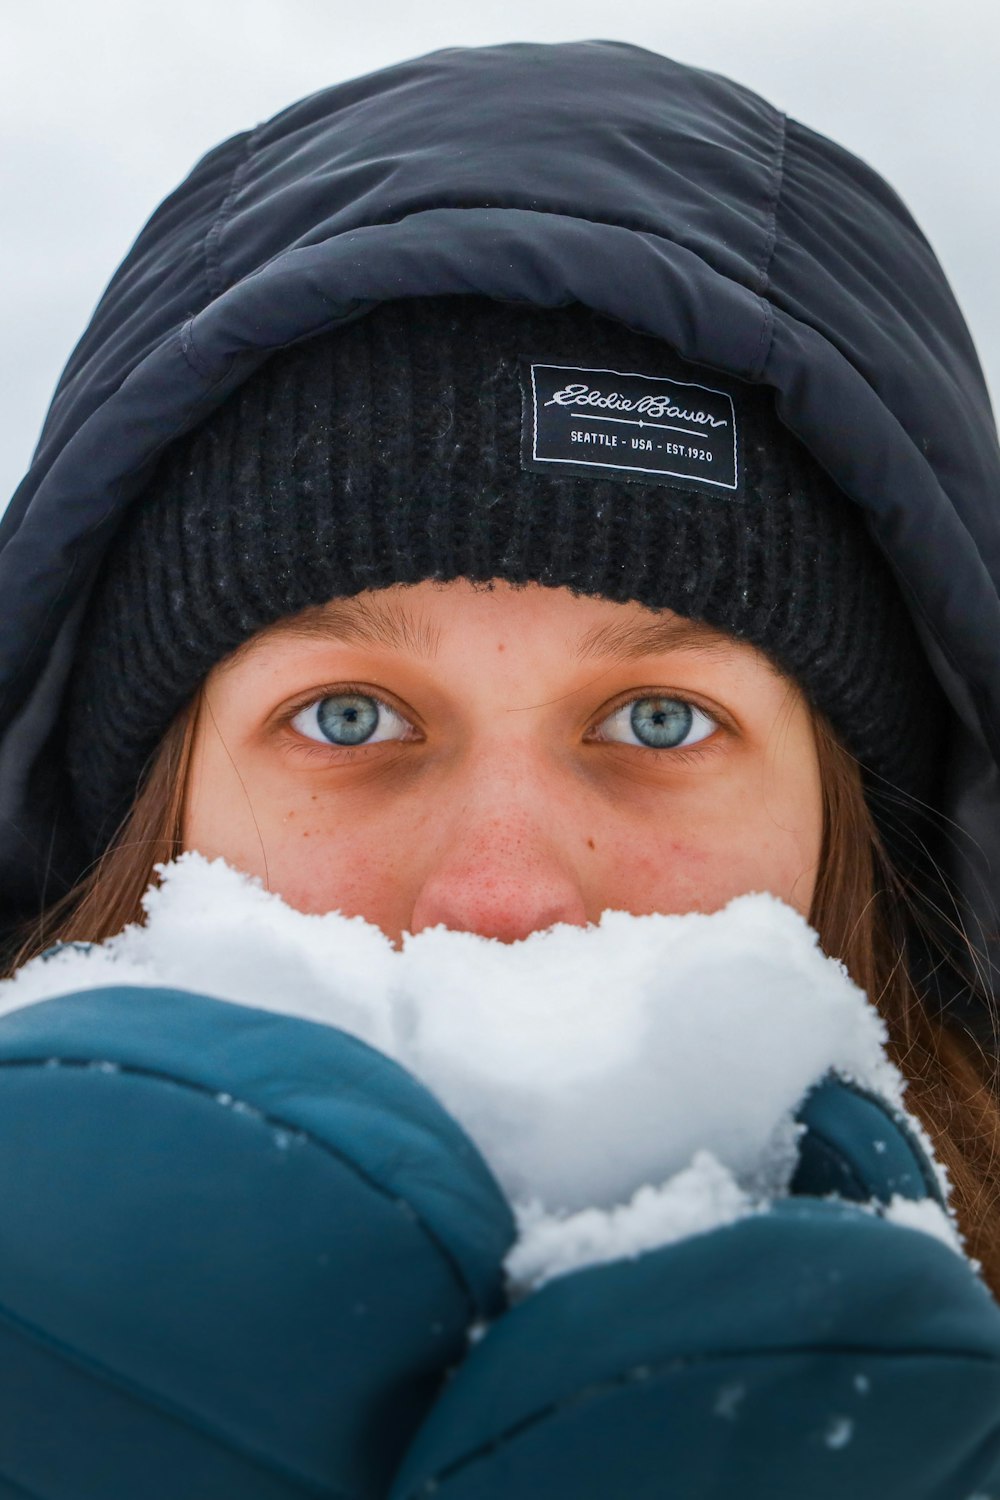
501	875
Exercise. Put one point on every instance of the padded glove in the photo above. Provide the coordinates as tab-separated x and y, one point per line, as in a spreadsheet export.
238	1252
810	1350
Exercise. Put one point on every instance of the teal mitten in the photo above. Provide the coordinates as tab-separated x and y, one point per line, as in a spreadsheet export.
811	1351
238	1252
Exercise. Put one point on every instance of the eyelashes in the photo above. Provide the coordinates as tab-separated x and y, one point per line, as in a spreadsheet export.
348	720
659	724
351	720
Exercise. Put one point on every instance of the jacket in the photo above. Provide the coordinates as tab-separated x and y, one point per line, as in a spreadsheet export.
187	1307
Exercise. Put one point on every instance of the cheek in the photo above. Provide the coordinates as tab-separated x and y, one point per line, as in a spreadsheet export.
670	871
742	839
318	853
779	845
320	862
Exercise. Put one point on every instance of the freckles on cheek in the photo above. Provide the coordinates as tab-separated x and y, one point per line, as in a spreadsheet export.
668	875
315	871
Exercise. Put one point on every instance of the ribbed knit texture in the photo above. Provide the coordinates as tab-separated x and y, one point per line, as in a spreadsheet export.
389	452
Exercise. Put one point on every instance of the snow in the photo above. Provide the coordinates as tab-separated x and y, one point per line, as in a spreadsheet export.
701	1197
728	1400
630	1083
839	1432
925	1215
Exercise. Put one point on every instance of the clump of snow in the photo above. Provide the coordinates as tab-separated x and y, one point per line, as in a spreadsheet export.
701	1197
209	928
629	1083
927	1216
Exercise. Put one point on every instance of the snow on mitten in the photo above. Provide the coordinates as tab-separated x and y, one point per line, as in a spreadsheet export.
238	1252
812	1347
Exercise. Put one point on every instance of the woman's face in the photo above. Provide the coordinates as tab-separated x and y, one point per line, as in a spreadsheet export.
500	760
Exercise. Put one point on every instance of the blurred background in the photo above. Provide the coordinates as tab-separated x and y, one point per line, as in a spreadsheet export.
105	106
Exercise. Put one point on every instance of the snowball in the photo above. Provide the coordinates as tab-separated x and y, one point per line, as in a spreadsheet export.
629	1083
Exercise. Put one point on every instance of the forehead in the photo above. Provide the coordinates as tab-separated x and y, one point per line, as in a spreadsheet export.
415	619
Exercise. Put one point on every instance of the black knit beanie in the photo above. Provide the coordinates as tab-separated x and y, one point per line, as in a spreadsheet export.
460	437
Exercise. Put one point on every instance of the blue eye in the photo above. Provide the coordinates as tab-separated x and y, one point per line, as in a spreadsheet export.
350	719
658	723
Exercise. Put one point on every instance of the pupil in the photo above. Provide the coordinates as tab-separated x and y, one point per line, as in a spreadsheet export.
347	720
661	723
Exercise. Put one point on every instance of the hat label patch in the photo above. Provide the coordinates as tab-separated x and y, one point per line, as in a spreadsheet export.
630	426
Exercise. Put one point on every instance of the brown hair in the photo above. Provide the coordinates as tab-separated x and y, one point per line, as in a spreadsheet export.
863	909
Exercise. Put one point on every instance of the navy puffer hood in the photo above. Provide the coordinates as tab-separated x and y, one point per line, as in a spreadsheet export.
669	199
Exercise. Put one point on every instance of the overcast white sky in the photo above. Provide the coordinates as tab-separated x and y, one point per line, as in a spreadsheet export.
104	107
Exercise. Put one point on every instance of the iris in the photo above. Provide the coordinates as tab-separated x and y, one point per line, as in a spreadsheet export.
347	719
661	723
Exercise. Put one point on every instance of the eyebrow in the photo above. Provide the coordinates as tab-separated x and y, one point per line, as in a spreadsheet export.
628	641
377	622
367	622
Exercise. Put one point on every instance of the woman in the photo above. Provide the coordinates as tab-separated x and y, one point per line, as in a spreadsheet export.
450	530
